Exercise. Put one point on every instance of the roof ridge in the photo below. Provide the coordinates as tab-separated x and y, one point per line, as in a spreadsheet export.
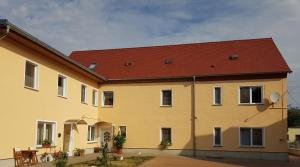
171	45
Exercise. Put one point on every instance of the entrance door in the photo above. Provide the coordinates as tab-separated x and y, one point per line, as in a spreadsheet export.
106	132
68	143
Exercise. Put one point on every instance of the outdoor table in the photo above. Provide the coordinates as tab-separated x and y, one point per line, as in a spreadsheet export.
30	156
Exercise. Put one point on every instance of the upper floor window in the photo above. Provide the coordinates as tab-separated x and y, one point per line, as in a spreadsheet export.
45	131
83	94
217	136
166	98
31	75
95	97
91	133
62	86
108	98
251	95
123	131
217	95
251	137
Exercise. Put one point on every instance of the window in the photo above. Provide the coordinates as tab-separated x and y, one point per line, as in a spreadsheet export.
108	98
166	98
83	94
217	136
31	75
45	131
91	133
166	135
251	137
251	94
217	96
123	131
95	97
62	86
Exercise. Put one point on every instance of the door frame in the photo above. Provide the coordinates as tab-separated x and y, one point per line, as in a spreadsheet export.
71	140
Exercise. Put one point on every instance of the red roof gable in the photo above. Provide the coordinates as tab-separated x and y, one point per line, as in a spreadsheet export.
255	56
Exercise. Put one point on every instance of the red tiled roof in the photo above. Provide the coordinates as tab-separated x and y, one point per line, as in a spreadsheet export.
255	56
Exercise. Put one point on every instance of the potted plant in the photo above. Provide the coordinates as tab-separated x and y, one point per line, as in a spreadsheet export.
46	143
119	141
78	152
164	144
60	159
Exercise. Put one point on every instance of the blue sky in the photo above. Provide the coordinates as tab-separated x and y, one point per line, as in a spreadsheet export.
93	24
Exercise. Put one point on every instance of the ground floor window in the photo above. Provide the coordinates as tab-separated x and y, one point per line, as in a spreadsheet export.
45	131
217	136
166	135
91	133
251	137
123	131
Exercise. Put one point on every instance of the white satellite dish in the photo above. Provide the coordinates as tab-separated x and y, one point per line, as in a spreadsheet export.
274	97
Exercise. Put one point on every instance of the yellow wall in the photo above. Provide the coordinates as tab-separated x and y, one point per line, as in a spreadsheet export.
292	133
138	107
21	107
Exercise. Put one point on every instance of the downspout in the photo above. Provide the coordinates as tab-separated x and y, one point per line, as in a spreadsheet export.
193	116
6	32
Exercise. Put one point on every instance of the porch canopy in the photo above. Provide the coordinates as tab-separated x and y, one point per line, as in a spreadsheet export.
77	121
103	123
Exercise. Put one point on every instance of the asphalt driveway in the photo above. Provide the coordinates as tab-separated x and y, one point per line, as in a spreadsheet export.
180	161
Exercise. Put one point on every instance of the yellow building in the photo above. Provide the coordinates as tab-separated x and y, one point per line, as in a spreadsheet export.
203	99
294	134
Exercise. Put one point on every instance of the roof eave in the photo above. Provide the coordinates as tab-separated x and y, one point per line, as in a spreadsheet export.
28	36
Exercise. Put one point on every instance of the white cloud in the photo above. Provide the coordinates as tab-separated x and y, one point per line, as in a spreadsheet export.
80	24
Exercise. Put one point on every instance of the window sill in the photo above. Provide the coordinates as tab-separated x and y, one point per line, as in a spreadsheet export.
30	88
252	146
84	103
216	104
166	106
217	145
107	106
250	104
91	142
41	147
62	96
95	105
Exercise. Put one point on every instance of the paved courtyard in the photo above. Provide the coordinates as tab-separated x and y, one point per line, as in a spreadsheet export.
179	161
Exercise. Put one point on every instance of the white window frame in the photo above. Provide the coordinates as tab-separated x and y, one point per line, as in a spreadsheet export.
90	134
161	98
36	74
44	135
95	98
160	133
214	96
251	137
239	94
214	135
103	98
65	85
85	93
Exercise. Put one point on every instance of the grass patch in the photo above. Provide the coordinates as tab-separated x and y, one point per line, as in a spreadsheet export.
132	161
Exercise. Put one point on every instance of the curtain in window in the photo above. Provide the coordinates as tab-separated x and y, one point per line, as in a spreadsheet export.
217	136
167	97
217	95
123	131
60	86
40	133
244	95
29	74
166	134
257	137
245	136
108	98
83	93
49	132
